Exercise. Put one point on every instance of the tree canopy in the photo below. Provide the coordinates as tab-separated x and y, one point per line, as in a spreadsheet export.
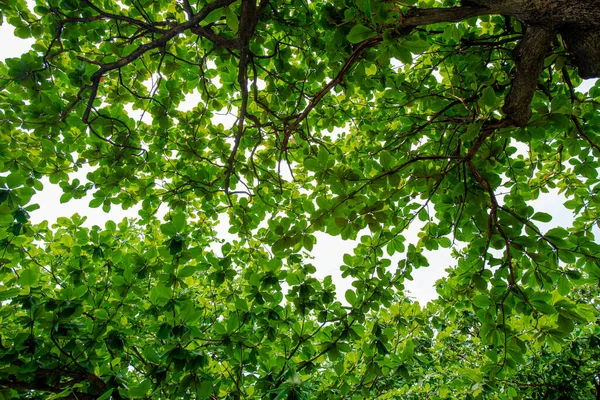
354	118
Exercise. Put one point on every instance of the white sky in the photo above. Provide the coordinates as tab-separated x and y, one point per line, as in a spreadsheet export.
328	251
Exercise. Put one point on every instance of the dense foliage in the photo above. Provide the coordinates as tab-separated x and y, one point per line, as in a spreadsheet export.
355	118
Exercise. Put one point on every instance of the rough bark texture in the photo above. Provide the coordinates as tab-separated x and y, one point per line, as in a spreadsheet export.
419	16
577	21
530	61
584	45
547	12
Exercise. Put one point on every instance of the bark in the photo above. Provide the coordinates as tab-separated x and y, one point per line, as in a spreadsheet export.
577	21
530	61
428	16
550	13
584	45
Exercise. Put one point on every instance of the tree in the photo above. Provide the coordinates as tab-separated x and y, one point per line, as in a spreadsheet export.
358	119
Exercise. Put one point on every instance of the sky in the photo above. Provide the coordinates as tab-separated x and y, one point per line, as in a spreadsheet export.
328	252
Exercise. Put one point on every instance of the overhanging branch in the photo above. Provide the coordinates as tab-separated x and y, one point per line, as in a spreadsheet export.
428	16
530	61
144	48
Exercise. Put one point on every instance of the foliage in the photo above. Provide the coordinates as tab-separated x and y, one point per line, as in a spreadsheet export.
358	119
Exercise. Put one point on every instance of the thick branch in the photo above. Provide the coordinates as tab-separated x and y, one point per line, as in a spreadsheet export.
428	16
88	375
550	13
29	386
152	27
529	56
213	37
248	20
584	45
39	385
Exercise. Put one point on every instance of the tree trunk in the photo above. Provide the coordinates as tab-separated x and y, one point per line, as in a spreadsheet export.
584	45
551	13
578	23
529	57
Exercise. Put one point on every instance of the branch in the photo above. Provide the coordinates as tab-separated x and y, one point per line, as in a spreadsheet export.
582	133
486	131
416	16
213	37
359	50
140	51
29	386
493	221
188	8
99	383
245	31
529	56
40	386
105	15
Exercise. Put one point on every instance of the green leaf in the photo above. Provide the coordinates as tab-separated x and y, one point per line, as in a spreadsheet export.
205	390
386	160
489	97
4	195
351	297
28	277
186	271
557	233
110	226
322	157
232	20
14	180
241	305
573	274
106	395
164	332
360	33
445	242
572	204
22	32
79	291
176	245
416	46
566	256
564	285
543	307
586	311
482	301
101	314
179	221
565	324
142	389
542	217
151	355
8	293
21	216
409	349
404	55
403	371
96	202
